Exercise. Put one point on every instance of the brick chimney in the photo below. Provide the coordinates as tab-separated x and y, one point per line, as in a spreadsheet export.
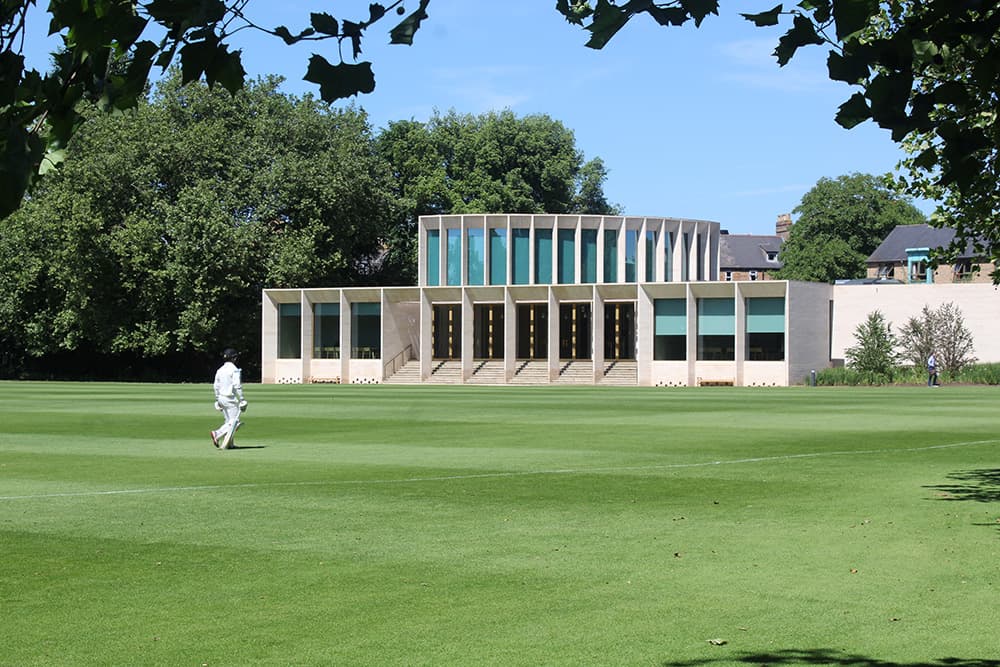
783	225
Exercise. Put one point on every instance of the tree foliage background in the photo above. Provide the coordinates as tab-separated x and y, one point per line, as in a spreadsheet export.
146	253
839	223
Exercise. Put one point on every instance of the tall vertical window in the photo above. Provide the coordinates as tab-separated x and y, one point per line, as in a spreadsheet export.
567	256
765	329
631	251
716	330
475	256
611	256
686	257
454	257
588	256
650	256
433	257
289	331
498	256
521	256
668	256
700	260
326	331
543	256
366	330
670	329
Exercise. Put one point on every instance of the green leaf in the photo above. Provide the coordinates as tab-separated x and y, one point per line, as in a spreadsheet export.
853	111
802	34
405	29
850	67
340	81
764	18
324	23
698	9
608	20
669	15
375	12
850	16
819	8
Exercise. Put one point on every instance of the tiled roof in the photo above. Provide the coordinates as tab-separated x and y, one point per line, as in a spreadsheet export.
893	248
748	251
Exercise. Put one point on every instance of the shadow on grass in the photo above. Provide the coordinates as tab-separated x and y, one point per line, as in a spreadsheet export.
822	656
982	486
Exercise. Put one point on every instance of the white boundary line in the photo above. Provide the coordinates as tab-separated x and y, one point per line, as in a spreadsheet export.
488	475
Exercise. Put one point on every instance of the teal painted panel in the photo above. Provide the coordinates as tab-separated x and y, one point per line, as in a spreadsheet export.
766	315
433	257
475	256
543	256
588	256
498	257
567	256
610	256
521	256
670	317
716	317
454	257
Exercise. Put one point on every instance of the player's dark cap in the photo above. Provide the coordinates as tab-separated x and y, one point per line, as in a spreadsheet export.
229	354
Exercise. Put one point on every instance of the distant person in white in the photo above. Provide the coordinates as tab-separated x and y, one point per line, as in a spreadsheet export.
228	399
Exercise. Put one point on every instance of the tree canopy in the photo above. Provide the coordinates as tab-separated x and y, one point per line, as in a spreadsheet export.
839	224
159	232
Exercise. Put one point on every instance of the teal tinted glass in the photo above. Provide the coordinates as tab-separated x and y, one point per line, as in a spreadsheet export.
716	317
766	315
631	251
543	256
476	255
567	256
498	256
610	256
588	256
433	257
454	257
670	317
521	256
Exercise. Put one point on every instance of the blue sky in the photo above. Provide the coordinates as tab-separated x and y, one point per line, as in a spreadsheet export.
691	123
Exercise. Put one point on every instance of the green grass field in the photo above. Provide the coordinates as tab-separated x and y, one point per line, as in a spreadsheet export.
380	525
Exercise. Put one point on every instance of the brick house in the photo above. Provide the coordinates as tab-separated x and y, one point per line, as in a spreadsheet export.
904	255
752	256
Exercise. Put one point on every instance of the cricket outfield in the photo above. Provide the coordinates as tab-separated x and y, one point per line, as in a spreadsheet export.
387	525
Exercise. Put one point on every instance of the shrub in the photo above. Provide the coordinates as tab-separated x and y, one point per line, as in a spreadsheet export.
874	357
942	331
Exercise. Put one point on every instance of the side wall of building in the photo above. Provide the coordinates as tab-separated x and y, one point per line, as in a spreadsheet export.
979	304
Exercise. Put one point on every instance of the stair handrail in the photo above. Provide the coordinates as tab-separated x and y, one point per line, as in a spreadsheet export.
390	367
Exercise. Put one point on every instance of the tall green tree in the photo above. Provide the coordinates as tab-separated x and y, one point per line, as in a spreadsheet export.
839	224
110	48
495	162
159	234
874	355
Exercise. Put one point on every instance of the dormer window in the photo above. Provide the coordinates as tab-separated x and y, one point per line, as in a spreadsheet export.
772	255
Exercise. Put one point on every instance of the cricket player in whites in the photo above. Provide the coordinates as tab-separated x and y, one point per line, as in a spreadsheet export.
228	399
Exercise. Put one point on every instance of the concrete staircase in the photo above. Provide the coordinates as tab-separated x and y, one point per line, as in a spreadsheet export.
409	373
621	373
531	372
488	371
578	371
446	372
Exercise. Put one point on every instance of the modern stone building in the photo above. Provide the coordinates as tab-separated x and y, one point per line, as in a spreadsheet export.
551	299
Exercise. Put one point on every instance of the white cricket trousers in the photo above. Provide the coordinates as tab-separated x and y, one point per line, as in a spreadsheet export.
231	412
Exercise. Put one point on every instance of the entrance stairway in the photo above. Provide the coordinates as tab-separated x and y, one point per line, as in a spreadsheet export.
578	371
621	373
531	372
487	372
